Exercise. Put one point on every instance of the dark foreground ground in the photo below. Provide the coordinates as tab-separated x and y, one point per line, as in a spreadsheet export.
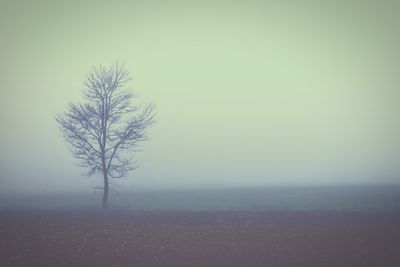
199	239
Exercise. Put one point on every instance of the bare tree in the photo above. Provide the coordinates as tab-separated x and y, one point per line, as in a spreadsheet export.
105	130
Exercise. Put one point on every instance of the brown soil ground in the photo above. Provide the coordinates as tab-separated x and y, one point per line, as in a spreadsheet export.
199	239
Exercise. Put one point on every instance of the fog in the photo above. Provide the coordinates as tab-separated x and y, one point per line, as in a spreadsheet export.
262	93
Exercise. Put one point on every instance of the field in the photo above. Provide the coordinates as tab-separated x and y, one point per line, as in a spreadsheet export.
335	227
199	239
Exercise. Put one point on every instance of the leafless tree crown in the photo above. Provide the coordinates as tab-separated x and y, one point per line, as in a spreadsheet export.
104	130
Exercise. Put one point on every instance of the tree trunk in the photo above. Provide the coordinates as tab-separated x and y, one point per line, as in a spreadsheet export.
105	191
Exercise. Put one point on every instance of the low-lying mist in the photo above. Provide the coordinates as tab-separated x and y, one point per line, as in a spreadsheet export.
328	198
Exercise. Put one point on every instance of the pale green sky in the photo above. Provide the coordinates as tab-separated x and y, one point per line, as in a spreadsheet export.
247	92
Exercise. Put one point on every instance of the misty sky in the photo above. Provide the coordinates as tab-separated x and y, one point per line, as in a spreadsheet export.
247	92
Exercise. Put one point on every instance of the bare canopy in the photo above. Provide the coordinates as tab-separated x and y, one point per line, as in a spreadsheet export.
104	131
